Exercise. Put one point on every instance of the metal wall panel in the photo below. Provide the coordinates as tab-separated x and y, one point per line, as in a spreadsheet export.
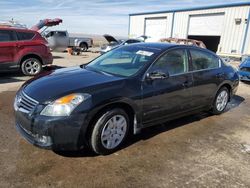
232	37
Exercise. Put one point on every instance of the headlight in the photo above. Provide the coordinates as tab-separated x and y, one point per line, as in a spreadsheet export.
65	105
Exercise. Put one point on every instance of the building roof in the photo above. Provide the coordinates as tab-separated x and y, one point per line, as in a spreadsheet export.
195	8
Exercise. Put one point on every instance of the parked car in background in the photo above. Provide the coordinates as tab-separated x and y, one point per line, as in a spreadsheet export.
244	70
129	88
114	43
184	41
60	40
23	49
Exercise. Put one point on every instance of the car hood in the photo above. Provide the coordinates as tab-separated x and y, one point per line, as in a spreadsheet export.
61	82
110	39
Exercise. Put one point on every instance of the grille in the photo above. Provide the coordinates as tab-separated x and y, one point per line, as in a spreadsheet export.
25	103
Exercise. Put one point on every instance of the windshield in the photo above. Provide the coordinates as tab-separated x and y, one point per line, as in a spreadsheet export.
125	61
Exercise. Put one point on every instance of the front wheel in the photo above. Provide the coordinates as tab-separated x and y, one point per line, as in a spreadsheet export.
221	101
110	131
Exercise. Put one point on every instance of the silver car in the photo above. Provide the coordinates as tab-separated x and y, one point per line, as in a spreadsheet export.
114	43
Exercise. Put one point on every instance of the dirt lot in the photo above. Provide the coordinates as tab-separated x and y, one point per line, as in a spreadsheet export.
195	151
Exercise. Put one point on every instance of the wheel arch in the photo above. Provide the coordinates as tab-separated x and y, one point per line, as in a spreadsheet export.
128	107
228	86
30	56
83	42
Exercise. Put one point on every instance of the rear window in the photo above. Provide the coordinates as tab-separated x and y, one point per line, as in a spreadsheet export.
203	60
25	35
6	36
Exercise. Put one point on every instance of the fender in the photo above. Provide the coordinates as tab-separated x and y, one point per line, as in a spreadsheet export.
31	53
79	41
115	101
223	83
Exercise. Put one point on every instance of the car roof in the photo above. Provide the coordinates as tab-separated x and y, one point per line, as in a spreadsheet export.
162	46
16	29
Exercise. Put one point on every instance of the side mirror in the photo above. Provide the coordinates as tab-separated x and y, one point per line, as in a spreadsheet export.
156	75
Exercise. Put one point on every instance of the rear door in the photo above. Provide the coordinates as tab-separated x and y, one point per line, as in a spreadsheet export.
8	49
163	98
207	75
25	42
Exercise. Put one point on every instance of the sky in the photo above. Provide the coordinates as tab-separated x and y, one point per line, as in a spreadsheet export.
91	17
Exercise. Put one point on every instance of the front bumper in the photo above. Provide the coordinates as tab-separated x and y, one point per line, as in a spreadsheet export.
57	133
244	76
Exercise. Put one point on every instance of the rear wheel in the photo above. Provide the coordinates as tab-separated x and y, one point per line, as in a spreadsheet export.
110	131
84	47
221	101
31	66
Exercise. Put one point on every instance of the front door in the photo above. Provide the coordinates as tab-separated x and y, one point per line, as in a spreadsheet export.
8	49
165	97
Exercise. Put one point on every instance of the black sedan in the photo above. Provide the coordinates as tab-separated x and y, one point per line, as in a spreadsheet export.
132	87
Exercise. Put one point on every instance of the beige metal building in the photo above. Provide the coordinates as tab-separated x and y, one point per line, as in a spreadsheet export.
223	28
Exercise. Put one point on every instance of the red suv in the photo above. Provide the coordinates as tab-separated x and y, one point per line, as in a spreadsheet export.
23	49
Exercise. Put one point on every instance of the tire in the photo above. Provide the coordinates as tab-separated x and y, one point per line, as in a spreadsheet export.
104	137
31	66
220	101
84	47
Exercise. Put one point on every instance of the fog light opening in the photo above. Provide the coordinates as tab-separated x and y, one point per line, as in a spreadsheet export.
43	139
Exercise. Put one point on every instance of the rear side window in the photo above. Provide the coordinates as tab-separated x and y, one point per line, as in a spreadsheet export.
203	60
173	62
6	36
25	35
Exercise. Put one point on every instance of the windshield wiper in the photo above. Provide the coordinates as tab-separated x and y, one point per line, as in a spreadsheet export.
97	70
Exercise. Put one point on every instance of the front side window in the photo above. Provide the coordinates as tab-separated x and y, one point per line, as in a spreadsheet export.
203	60
132	41
125	61
61	34
25	35
6	36
173	62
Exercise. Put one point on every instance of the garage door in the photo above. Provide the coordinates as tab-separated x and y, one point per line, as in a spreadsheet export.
156	27
209	25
